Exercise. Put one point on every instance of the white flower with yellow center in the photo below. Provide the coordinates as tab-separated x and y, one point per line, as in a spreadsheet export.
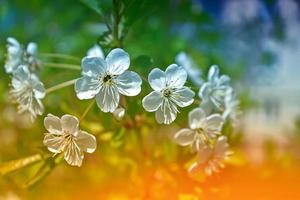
169	92
105	79
202	130
65	136
211	159
27	90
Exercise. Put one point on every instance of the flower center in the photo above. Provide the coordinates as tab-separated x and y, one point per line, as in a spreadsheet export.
167	93
203	136
107	78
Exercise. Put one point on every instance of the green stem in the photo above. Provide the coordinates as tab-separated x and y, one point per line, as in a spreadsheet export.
63	56
14	165
62	65
87	110
116	21
61	85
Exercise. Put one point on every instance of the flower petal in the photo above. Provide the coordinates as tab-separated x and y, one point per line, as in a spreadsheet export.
108	98
221	147
196	118
118	61
38	87
32	48
213	73
183	97
87	87
184	137
224	80
95	51
157	79
166	113
176	76
205	91
152	101
214	123
52	124
93	66
86	142
73	155
22	73
53	142
70	124
129	83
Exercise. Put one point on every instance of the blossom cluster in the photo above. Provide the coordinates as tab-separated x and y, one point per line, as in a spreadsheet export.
107	79
27	90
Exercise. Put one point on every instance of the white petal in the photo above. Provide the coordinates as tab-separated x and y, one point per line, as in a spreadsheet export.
22	73
184	137
205	91
93	66
86	142
157	79
129	83
224	80
152	101
73	155
196	118
108	98
37	108
95	51
221	147
166	113
87	87
207	106
70	124
53	142
213	73
38	87
118	61
32	48
12	41
214	122
183	97
204	154
176	76
52	124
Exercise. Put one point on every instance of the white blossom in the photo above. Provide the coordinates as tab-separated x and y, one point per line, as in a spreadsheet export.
194	72
211	159
30	56
169	92
202	130
213	92
27	90
17	55
105	79
95	51
232	107
14	55
65	136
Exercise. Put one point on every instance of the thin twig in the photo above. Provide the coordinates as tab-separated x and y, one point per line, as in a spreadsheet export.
62	65
63	56
61	85
87	110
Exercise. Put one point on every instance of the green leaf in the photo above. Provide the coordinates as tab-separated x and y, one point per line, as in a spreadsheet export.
14	165
93	4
